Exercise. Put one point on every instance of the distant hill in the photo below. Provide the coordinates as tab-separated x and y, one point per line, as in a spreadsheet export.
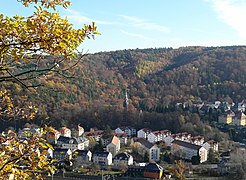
155	80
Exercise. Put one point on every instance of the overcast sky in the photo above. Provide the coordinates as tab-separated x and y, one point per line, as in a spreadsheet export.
130	24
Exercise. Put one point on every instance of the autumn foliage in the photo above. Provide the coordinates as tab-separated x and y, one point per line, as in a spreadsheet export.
32	47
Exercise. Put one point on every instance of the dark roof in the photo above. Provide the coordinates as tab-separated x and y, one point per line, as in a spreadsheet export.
153	167
82	152
63	139
186	144
101	153
205	108
126	127
239	115
68	140
122	156
120	134
145	143
58	150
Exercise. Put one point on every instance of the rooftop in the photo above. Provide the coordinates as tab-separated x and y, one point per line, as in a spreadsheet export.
145	143
186	144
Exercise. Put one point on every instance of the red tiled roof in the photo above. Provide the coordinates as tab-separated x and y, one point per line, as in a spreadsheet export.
98	132
64	129
211	142
156	132
164	131
115	140
146	130
120	134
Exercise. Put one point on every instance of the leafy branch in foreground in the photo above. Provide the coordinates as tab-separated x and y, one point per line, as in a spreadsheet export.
22	158
37	45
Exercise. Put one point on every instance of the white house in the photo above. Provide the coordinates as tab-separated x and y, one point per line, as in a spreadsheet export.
119	130
154	136
23	133
77	131
239	107
123	159
65	132
130	131
165	133
197	140
102	158
143	133
114	146
123	138
52	135
83	156
61	154
79	143
168	140
211	144
189	150
151	149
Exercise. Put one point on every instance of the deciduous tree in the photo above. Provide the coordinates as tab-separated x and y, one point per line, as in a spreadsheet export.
31	47
37	45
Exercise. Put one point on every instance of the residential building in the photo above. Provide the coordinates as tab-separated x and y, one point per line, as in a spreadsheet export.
153	170
77	131
114	146
169	139
83	156
154	136
239	107
94	133
62	154
130	131
52	136
143	133
239	119
102	158
135	171
189	150
165	133
205	109
226	117
23	133
184	136
211	144
66	132
224	106
144	146
197	140
123	138
123	159
79	143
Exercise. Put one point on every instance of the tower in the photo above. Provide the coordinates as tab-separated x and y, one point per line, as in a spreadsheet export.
126	101
125	106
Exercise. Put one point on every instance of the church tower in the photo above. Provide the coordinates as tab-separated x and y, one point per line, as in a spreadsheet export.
126	101
125	105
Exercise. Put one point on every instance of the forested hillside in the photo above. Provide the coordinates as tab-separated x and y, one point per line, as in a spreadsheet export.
92	93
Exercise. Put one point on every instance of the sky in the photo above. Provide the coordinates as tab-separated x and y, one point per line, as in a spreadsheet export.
131	24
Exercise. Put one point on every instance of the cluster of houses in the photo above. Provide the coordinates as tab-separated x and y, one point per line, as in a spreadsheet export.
146	143
183	142
229	113
233	118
